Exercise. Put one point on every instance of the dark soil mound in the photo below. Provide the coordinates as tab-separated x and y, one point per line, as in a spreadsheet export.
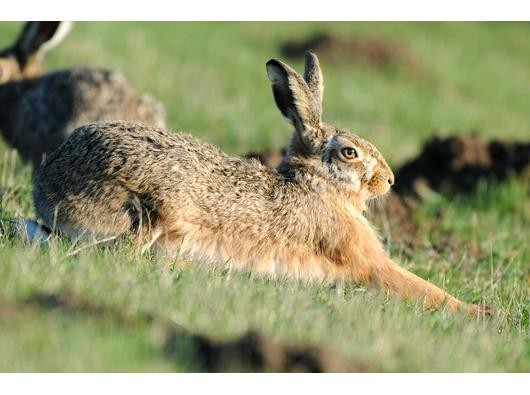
458	163
255	353
374	52
395	221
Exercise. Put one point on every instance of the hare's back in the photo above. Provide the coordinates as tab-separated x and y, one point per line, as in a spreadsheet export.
148	161
126	150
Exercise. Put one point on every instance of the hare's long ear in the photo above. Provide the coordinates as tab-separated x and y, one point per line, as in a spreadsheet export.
313	77
295	100
37	36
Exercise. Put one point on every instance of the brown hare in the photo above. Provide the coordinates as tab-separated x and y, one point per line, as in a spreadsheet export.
38	112
303	219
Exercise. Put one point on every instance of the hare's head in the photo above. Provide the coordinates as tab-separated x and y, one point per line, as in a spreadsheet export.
23	59
334	153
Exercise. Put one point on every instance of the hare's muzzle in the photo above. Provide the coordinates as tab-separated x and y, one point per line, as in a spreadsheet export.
380	182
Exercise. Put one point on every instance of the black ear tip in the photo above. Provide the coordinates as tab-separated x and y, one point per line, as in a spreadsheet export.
273	63
310	56
276	71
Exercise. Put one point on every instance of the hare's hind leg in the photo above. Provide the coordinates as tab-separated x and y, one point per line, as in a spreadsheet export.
101	213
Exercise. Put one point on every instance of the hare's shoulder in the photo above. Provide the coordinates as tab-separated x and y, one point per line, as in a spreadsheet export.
139	144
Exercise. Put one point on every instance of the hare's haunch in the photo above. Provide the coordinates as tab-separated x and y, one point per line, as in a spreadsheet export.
303	219
38	112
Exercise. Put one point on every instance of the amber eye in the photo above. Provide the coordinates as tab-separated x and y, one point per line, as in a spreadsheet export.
349	153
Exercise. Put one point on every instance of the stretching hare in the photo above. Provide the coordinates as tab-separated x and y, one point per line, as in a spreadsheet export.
303	219
38	112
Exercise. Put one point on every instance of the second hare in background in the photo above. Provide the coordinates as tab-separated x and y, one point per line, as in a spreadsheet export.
303	219
38	112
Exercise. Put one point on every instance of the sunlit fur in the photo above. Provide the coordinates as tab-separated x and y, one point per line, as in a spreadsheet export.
188	198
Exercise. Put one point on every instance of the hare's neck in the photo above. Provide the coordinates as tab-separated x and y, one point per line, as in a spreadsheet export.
322	211
315	180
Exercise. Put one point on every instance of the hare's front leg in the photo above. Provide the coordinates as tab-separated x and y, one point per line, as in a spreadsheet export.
376	268
399	281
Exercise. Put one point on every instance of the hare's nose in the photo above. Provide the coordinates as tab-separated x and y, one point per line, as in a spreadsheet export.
391	179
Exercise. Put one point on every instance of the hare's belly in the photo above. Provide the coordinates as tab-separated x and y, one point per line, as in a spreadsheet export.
259	256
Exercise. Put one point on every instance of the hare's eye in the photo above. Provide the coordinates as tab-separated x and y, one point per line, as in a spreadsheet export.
349	152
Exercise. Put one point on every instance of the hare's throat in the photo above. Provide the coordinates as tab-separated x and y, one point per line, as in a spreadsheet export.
354	204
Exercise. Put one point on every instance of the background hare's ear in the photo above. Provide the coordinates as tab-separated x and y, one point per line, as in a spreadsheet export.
313	77
37	36
295	99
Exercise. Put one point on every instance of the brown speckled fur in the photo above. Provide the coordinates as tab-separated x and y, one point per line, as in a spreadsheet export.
303	219
38	112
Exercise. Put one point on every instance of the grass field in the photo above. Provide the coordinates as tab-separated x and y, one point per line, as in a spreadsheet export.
211	78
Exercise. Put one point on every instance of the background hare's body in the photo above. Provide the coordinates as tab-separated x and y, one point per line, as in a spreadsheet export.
37	113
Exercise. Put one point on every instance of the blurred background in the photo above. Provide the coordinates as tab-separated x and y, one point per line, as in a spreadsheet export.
393	83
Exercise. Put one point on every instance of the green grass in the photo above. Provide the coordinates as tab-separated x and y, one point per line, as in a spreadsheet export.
211	78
